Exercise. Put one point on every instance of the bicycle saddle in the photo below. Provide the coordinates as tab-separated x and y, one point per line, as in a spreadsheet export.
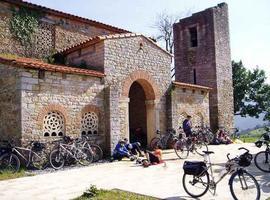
208	152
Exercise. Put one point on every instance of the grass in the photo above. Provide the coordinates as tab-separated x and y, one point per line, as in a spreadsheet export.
99	194
252	136
10	175
248	139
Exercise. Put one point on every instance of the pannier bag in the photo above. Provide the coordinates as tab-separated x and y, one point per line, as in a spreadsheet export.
245	160
37	146
194	167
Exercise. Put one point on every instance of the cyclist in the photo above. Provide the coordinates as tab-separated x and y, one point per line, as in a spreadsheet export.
120	151
187	128
133	147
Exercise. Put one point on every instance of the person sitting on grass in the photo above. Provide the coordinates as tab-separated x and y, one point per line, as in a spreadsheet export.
134	147
120	151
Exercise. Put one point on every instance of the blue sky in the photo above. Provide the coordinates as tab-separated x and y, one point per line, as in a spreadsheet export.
249	20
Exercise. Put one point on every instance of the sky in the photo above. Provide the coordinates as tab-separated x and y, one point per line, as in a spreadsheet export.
249	20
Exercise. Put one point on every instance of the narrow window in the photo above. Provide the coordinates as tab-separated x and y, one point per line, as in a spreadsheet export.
41	74
194	76
193	37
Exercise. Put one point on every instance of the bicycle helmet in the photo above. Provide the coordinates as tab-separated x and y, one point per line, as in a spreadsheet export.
129	146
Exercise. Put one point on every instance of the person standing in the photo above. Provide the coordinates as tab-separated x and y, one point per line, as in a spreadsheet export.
187	126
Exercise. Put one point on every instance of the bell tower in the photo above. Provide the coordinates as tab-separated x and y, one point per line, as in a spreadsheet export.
203	57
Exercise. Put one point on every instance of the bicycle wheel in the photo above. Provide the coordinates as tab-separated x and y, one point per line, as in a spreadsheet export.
262	161
84	156
96	151
57	159
9	162
200	147
154	142
244	186
181	150
196	186
38	160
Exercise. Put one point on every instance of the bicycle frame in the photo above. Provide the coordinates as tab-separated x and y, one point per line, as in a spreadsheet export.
17	150
65	147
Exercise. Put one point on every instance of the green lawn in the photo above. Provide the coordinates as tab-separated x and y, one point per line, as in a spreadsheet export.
9	175
248	139
252	136
99	194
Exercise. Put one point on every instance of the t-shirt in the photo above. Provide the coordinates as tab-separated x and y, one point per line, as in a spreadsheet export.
186	125
158	153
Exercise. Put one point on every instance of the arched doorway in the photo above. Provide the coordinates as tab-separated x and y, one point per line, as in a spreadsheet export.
140	96
137	114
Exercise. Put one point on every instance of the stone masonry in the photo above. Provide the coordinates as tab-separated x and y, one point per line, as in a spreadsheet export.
207	60
124	62
111	81
56	30
31	98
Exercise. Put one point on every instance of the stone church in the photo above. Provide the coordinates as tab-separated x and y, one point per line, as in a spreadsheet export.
109	81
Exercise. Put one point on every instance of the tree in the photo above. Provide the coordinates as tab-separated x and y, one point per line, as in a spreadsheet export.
164	25
251	93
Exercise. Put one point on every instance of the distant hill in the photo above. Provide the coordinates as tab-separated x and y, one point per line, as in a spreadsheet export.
249	123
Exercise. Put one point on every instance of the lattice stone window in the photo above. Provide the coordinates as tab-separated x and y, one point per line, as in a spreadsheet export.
54	124
89	123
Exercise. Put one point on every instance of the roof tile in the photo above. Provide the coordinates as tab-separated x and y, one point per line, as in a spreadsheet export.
37	64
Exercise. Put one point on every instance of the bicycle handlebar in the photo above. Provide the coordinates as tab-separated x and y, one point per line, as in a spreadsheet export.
243	148
228	156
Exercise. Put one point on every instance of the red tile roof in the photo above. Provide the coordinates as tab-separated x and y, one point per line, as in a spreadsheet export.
105	37
37	64
66	15
191	86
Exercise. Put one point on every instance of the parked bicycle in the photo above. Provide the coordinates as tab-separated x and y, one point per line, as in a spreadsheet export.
68	151
33	156
262	159
243	185
94	148
205	134
164	141
184	145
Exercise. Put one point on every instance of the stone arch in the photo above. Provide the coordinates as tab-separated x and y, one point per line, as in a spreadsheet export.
145	80
52	107
198	119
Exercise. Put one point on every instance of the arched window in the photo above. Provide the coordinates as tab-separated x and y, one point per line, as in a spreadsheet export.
89	123
53	124
198	120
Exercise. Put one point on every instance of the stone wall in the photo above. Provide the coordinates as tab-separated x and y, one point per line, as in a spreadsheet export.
10	109
224	68
209	63
70	95
186	101
150	67
53	34
92	57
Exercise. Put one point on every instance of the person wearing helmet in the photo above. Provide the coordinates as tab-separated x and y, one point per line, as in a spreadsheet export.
120	151
134	147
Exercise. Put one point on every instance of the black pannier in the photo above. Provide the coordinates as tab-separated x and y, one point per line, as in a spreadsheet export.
37	146
245	160
194	167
